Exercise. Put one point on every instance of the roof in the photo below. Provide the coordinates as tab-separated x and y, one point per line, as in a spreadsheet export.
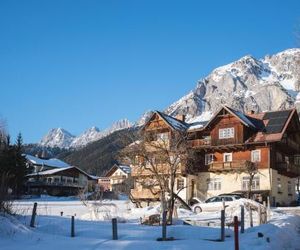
276	120
50	172
244	118
173	122
126	169
58	170
55	163
268	126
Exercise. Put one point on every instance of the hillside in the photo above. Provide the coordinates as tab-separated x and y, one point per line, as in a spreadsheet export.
99	156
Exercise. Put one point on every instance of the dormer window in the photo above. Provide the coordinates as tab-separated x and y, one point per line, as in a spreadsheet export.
226	133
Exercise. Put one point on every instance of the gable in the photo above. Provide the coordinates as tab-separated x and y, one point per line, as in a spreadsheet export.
160	120
230	114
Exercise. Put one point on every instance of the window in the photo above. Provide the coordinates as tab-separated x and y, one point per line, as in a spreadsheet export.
213	199
246	183
255	155
289	187
214	184
209	158
227	157
225	133
279	186
180	184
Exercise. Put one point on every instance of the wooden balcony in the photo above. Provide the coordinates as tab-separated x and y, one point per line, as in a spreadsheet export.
40	183
291	144
289	169
144	194
137	171
220	166
199	143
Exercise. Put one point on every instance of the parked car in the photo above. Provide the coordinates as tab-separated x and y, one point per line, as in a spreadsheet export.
214	203
194	201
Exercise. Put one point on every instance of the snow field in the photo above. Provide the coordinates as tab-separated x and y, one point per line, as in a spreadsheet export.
93	229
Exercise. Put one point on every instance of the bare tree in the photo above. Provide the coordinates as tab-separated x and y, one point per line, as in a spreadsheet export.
252	170
157	163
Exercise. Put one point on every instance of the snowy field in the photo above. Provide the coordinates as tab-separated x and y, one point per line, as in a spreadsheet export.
93	228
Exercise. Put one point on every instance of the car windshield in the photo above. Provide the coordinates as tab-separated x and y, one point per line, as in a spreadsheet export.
213	199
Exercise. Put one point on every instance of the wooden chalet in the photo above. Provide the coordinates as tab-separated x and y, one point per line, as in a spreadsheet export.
231	143
55	177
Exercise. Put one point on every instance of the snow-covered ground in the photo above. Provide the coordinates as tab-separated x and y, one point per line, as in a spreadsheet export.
93	228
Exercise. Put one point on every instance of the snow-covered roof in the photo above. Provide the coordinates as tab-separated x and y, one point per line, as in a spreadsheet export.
50	172
125	169
57	170
242	117
173	122
56	163
200	121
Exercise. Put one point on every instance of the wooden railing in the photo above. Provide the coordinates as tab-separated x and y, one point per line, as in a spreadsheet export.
227	166
144	194
55	184
148	170
288	168
199	142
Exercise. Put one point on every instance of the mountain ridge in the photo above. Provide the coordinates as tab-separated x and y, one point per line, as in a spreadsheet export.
59	137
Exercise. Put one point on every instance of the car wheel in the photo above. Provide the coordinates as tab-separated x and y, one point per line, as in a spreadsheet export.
197	210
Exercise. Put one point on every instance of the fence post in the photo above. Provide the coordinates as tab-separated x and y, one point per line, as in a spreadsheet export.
236	233
32	222
114	229
269	208
72	226
164	226
251	217
259	215
222	225
242	219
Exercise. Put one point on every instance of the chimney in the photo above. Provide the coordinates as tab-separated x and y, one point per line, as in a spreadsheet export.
251	112
180	118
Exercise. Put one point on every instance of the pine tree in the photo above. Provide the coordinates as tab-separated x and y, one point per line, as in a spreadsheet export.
20	165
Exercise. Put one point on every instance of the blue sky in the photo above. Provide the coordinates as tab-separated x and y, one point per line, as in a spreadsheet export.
76	64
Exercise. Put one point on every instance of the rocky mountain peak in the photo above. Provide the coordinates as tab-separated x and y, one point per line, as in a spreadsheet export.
57	137
271	83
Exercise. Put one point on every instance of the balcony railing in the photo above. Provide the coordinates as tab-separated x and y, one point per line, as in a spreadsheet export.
199	143
137	171
55	184
288	168
144	194
228	166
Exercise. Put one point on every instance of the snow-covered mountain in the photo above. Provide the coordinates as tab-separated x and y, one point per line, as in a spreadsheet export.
57	137
63	139
91	134
270	83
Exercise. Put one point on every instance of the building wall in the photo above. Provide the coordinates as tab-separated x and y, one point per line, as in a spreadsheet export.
281	195
230	182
